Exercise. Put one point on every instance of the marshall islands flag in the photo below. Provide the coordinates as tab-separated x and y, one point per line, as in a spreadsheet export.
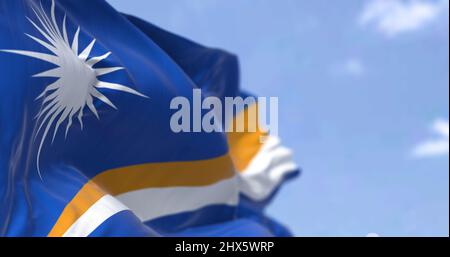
86	145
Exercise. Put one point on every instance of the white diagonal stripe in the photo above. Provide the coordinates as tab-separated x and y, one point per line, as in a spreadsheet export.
98	213
153	203
267	170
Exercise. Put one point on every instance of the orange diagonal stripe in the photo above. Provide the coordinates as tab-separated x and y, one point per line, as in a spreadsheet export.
86	197
172	174
245	145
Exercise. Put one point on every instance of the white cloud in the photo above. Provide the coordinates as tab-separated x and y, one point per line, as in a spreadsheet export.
354	67
373	235
438	146
392	17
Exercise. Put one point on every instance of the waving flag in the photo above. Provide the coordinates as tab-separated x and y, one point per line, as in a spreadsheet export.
86	147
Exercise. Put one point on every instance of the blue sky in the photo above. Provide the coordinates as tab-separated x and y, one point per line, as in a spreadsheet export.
364	99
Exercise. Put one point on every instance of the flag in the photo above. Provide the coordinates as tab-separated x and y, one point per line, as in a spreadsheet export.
86	142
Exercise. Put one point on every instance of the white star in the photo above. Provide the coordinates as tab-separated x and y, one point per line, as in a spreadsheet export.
77	81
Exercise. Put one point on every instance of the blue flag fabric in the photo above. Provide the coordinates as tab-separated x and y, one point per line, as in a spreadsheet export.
86	147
